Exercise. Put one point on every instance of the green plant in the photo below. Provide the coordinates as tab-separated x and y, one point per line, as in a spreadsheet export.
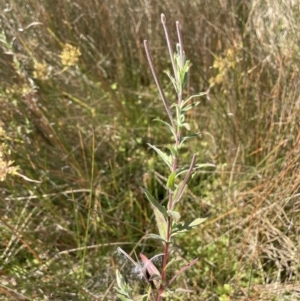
224	292
167	216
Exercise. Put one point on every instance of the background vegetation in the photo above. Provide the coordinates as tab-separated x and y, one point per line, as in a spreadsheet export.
77	107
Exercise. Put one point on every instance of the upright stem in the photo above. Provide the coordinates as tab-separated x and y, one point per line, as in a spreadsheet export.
161	92
163	21
182	62
169	221
176	129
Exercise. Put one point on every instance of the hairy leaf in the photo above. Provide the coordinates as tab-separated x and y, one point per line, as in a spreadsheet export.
123	289
189	107
174	215
171	180
160	213
173	80
197	166
188	136
184	227
173	150
168	126
179	191
187	126
155	203
161	223
167	159
154	236
191	97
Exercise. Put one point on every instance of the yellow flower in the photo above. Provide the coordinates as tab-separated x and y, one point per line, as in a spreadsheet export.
41	70
5	165
69	55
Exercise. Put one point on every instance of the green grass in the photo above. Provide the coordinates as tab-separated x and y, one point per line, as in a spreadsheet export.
82	131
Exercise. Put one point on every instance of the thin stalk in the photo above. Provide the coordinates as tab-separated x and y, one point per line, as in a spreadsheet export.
163	21
187	177
161	92
175	123
170	205
181	61
90	206
180	44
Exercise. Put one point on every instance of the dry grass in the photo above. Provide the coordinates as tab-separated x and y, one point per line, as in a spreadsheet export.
76	103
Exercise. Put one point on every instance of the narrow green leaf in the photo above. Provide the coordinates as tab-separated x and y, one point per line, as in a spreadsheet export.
184	73
123	298
168	126
178	229
198	221
173	80
197	166
182	118
182	170
189	137
123	289
186	125
184	227
154	236
183	78
187	66
177	61
161	223
120	279
171	180
189	107
167	159
155	203
178	112
183	290
160	213
179	191
191	97
202	165
173	151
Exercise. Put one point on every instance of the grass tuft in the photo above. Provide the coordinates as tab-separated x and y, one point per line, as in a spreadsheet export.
79	129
